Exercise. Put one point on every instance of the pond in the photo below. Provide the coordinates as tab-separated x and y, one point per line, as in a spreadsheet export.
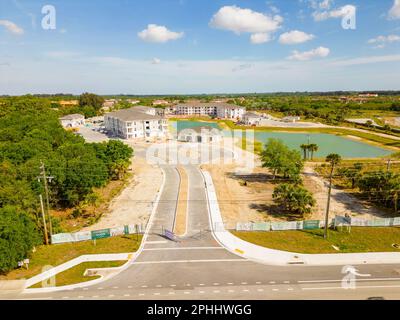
327	143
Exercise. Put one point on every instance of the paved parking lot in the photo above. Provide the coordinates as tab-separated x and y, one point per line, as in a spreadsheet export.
91	135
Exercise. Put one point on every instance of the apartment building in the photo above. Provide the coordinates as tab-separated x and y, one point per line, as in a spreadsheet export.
136	123
220	110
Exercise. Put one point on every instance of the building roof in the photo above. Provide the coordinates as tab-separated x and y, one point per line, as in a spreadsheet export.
201	129
75	116
210	104
132	114
252	115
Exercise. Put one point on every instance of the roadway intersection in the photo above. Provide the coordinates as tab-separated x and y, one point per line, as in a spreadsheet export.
197	267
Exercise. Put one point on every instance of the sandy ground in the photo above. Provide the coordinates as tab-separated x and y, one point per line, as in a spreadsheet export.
135	203
253	202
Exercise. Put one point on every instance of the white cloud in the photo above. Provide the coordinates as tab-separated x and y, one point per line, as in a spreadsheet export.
295	37
381	41
320	52
324	4
394	12
240	21
367	60
259	38
156	61
62	54
159	34
12	27
337	13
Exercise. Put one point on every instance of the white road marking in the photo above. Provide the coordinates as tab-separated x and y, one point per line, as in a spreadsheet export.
290	289
201	292
260	290
80	297
190	261
130	287
245	290
173	285
358	287
275	289
201	284
141	294
216	284
95	297
115	287
216	291
171	292
144	286
85	289
184	248
244	283
127	295
65	297
230	283
100	288
186	292
258	282
286	281
326	281
159	286
231	291
111	296
155	242
272	282
156	294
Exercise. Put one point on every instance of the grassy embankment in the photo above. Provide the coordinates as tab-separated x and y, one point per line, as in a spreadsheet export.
55	255
360	239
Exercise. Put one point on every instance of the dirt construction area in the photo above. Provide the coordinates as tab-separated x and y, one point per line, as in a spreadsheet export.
135	203
248	198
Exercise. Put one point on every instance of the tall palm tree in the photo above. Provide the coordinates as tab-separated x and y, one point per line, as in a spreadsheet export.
313	148
334	160
305	147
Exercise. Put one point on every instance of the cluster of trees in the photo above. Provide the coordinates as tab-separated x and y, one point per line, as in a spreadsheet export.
30	134
281	160
308	150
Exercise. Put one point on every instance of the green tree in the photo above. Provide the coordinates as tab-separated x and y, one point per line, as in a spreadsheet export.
313	148
277	157
18	235
294	198
91	100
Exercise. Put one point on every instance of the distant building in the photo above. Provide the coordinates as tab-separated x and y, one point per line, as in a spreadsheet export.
368	95
291	119
252	119
204	134
160	103
220	110
136	123
72	121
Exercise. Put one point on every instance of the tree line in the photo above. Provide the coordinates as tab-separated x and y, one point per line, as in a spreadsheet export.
31	134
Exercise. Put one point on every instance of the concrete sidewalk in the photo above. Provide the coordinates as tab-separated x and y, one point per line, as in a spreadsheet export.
277	257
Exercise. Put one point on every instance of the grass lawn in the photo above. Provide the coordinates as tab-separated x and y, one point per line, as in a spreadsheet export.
75	274
361	239
57	254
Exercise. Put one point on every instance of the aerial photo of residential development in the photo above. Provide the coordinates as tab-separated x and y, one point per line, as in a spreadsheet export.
183	150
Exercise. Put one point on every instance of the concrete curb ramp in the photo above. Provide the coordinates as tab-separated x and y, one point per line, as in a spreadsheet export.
277	257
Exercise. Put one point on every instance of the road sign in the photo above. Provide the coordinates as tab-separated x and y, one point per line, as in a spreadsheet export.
311	225
101	234
169	234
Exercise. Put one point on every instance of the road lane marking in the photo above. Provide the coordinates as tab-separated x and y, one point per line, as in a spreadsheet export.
127	295
260	290
327	281
216	284
272	282
184	248
358	287
258	282
111	296
244	283
189	261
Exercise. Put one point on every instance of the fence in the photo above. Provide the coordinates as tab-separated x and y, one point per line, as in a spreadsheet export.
315	224
97	234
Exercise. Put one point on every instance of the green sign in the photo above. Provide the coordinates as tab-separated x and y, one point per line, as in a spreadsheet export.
311	225
101	234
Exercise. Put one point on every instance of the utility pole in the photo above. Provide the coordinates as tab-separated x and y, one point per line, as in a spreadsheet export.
45	178
389	163
329	203
46	238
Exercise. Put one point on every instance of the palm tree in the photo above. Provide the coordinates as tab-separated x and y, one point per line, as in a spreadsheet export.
305	147
313	148
294	198
334	159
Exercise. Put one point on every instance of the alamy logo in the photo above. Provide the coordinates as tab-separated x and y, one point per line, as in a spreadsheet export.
350	278
49	20
349	19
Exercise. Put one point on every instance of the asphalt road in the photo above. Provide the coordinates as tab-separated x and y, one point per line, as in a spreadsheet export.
197	267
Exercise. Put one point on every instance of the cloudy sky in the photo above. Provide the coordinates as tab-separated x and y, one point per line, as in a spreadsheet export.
193	46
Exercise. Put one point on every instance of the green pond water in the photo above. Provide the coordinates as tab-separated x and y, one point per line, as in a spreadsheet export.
327	143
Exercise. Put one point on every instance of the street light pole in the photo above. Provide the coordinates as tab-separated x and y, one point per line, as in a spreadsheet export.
46	238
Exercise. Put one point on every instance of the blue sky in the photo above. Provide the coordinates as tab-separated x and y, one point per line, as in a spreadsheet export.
193	46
